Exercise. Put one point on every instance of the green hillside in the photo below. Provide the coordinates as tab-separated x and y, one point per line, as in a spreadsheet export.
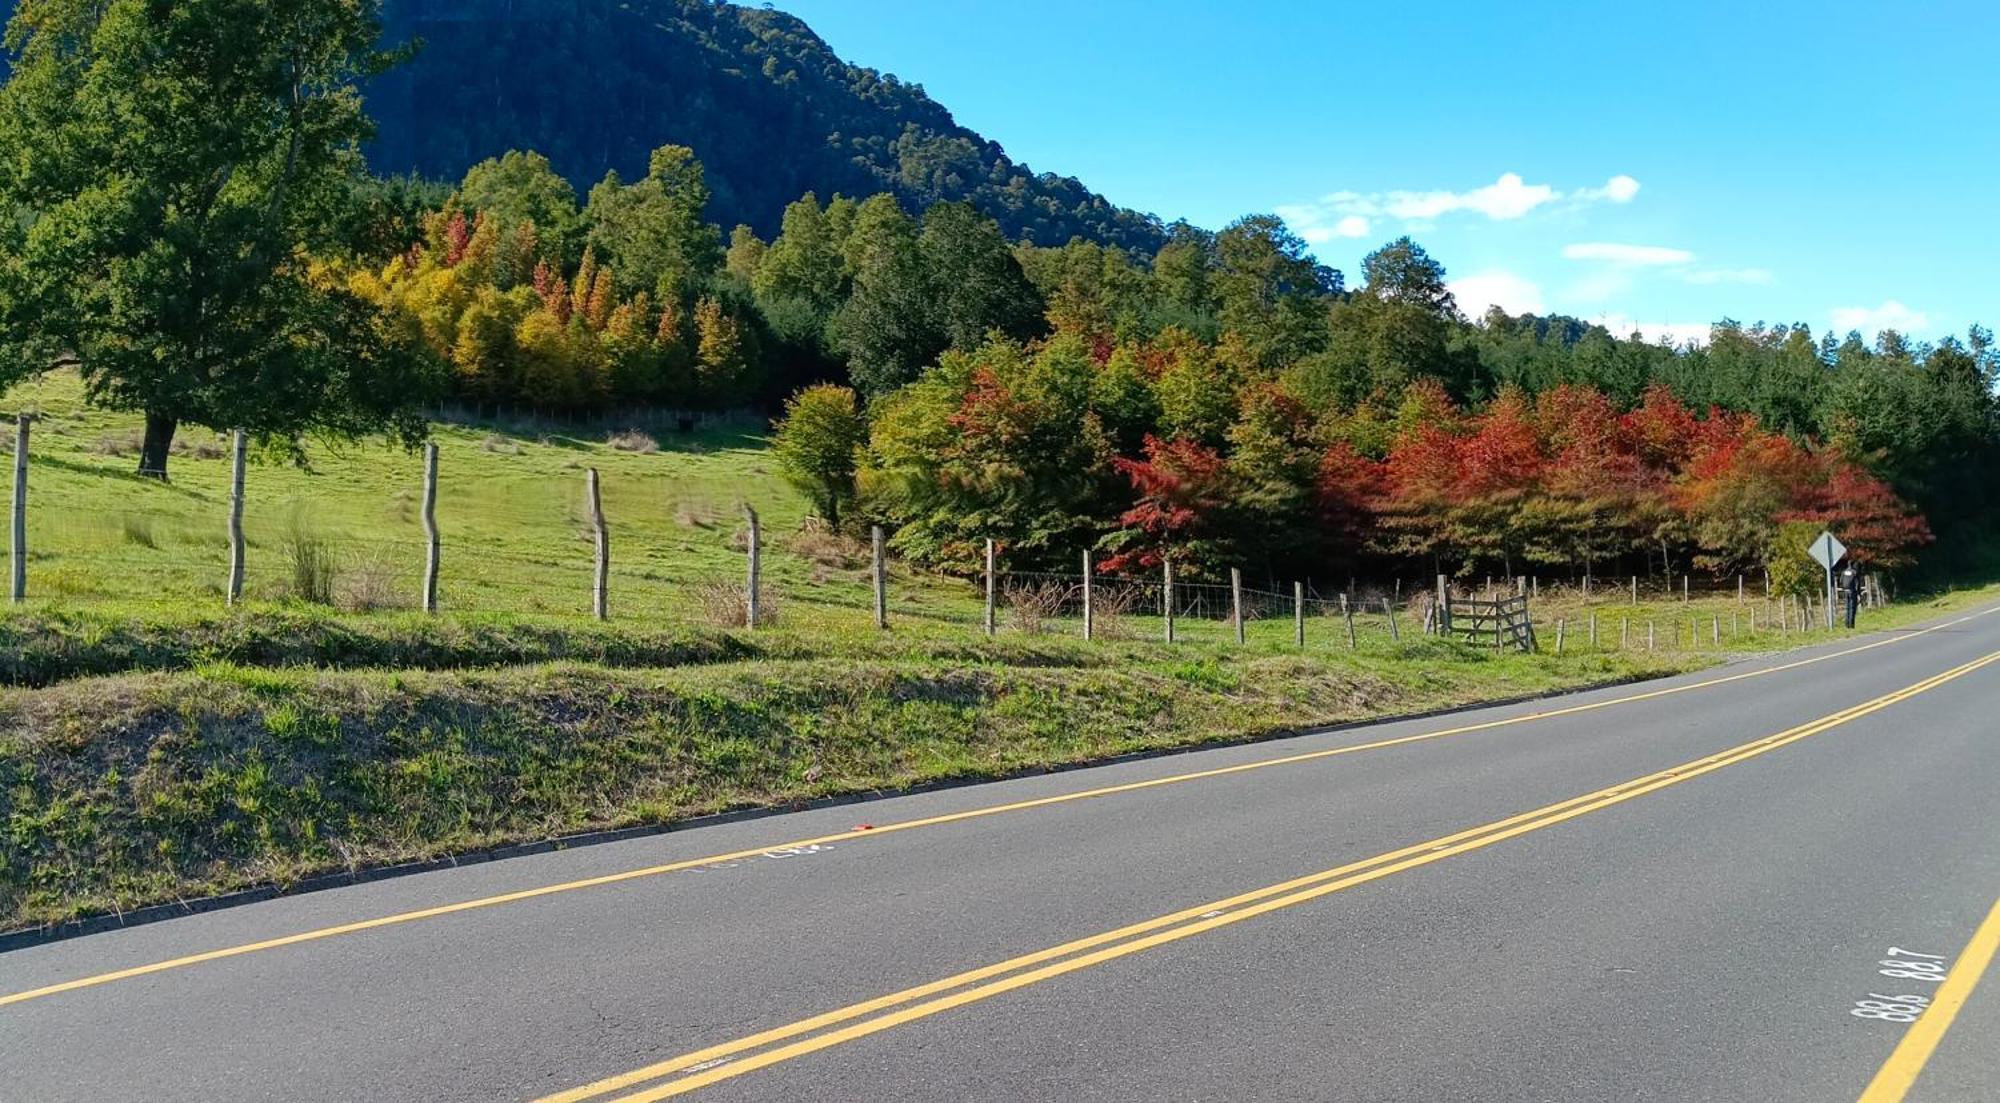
767	105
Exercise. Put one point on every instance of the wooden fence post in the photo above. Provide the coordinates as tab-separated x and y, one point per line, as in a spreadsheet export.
1684	589
1298	614
18	553
1635	589
1443	606
431	542
1593	631
1347	614
989	586
1649	635
1236	600
1167	595
1561	623
600	588
239	450
1389	613
1088	628
753	597
1715	630
1739	587
1624	633
879	575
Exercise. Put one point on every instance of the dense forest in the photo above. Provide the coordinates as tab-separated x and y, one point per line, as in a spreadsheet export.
767	106
1225	399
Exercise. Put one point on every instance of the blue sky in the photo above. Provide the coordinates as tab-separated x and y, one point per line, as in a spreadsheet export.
1662	165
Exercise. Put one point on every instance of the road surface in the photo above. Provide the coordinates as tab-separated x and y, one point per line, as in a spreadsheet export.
1684	890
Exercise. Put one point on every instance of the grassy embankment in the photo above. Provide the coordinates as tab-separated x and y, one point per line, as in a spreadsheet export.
155	746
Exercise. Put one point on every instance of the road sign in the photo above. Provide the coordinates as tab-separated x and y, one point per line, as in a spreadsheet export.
1826	550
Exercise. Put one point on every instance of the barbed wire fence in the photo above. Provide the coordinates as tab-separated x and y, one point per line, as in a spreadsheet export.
593	562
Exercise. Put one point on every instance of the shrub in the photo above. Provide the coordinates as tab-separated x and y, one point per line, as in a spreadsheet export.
1034	604
311	571
1110	605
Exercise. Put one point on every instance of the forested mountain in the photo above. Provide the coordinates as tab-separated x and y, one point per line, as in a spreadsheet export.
767	106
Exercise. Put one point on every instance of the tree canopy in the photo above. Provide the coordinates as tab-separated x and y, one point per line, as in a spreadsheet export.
173	169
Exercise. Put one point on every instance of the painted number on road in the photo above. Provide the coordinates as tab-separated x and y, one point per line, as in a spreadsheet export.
1893	1009
1903	965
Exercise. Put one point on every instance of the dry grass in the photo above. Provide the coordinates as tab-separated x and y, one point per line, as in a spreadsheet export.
724	604
633	440
117	444
820	545
499	445
370	586
697	515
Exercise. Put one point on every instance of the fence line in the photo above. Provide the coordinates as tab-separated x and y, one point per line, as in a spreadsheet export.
1092	604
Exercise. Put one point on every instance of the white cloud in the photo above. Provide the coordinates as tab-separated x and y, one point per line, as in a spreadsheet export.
1874	319
1617	253
1352	214
1506	198
1510	292
1619	189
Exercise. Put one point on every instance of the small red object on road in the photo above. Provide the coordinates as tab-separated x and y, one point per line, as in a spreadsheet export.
864	827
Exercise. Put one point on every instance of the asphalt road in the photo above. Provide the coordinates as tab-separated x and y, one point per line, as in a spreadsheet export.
1629	894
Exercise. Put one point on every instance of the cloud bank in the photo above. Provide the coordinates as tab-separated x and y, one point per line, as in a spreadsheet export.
1353	214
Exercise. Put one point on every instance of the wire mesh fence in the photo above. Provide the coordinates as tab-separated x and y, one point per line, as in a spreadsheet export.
516	539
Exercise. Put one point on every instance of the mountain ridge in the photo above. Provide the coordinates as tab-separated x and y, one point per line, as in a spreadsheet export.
766	104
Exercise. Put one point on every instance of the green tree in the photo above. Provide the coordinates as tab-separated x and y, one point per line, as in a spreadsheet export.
804	262
169	167
815	446
1270	289
976	284
653	233
887	330
1182	274
746	252
520	189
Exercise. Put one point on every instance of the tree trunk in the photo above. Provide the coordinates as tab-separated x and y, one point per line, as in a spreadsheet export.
153	451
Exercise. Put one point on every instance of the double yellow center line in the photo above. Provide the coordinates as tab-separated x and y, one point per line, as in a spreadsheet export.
440	911
709	1065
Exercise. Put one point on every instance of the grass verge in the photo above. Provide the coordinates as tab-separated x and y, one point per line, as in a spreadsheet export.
140	788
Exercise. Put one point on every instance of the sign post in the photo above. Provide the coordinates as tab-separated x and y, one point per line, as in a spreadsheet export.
1827	550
